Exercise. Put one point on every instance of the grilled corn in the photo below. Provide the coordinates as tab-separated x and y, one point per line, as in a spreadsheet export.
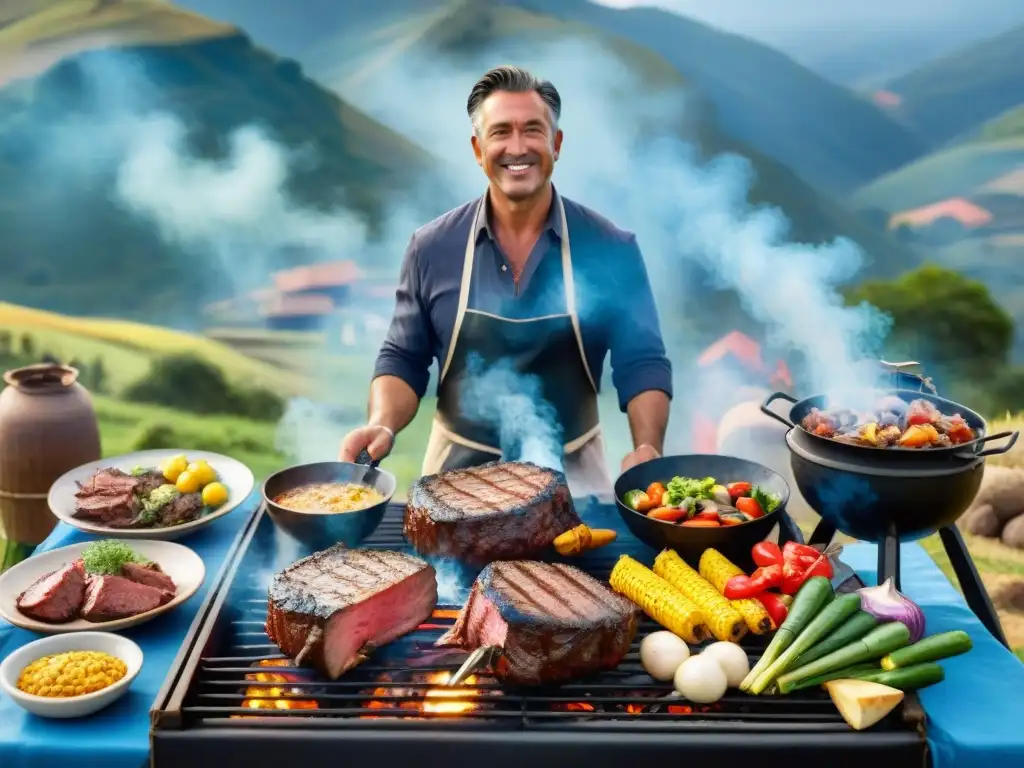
583	538
722	619
718	569
659	599
73	673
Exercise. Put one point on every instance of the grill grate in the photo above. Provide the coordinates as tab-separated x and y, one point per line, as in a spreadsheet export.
217	684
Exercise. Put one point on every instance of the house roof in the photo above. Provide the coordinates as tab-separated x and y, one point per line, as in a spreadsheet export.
327	275
967	213
748	352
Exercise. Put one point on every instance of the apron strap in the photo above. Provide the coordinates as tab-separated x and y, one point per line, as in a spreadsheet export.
570	293
467	277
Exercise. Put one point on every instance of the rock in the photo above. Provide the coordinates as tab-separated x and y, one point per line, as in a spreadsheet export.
1008	595
1003	489
1013	533
981	521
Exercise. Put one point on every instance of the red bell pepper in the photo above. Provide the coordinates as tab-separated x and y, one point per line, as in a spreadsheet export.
793	549
749	506
737	490
766	553
739	588
792	578
821	567
777	609
667	514
656	493
767	577
706	514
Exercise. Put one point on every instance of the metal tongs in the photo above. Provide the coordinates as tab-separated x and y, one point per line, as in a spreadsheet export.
483	657
898	369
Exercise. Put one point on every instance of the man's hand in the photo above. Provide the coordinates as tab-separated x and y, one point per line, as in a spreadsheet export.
377	441
641	454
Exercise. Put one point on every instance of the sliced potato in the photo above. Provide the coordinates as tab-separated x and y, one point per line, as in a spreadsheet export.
861	703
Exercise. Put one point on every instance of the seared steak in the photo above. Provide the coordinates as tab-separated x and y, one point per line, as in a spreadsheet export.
115	597
110	498
183	509
553	622
497	511
150	575
56	597
331	609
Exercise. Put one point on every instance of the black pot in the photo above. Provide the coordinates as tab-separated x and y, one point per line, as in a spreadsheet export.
868	492
735	541
825	446
318	531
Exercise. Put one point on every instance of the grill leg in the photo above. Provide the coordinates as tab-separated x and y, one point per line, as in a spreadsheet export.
970	582
823	533
889	558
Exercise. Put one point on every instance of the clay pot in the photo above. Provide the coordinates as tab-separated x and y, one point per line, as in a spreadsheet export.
47	427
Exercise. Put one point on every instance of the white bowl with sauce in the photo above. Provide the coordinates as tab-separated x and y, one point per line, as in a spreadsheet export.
70	706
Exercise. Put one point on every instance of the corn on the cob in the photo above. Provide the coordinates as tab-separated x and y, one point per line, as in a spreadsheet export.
718	569
722	619
659	599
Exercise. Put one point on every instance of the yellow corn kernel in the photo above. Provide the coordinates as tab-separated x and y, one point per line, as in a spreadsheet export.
72	673
659	599
724	621
718	569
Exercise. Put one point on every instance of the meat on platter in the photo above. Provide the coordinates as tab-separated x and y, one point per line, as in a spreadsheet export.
120	499
496	511
71	592
331	609
551	622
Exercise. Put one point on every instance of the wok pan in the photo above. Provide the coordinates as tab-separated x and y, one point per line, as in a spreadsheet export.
736	541
321	530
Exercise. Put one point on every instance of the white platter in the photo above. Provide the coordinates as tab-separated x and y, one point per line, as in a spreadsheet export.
183	565
233	474
73	706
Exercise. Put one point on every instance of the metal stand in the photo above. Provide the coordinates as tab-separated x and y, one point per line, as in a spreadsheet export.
966	574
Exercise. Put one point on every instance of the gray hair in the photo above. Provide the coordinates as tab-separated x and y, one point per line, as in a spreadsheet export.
514	80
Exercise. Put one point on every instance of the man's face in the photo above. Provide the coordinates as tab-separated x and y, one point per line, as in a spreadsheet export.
517	146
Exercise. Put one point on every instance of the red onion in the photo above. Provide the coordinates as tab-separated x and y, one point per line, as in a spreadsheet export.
885	603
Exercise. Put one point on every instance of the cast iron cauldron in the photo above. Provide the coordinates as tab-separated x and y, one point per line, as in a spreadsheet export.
736	541
867	492
321	530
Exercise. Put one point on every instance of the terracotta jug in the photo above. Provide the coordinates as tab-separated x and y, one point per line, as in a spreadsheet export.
47	427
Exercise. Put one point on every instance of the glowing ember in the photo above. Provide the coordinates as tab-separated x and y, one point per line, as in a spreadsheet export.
278	696
449	707
445	613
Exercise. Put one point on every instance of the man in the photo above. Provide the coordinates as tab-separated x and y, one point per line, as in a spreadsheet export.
499	279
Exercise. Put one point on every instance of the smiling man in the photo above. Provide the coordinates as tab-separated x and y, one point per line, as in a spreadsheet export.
502	278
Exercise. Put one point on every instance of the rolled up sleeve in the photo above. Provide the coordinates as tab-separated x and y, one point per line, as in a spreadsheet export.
407	350
637	351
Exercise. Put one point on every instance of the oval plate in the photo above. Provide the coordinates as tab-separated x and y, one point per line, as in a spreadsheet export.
179	562
233	474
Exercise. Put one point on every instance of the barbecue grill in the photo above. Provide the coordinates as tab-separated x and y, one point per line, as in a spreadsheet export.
231	695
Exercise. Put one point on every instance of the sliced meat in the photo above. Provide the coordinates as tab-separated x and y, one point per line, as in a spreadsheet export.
117	510
331	609
57	597
107	482
151	575
183	509
149	482
497	511
115	597
553	622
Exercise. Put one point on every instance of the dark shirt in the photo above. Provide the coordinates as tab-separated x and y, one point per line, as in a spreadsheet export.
613	296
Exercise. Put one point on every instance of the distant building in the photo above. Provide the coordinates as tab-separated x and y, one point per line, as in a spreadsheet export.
969	215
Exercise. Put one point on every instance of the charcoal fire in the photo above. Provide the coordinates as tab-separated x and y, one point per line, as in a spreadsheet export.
276	693
413	695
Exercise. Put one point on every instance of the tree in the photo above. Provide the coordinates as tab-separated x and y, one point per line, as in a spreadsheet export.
28	347
943	319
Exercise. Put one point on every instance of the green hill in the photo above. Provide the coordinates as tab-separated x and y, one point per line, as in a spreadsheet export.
69	66
1009	125
827	135
958	171
953	96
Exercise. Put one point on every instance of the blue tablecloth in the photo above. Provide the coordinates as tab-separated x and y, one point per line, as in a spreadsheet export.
975	717
116	737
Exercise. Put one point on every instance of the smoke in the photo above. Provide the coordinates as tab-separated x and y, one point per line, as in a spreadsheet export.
527	425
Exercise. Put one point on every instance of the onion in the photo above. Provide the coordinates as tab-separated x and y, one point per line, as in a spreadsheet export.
885	603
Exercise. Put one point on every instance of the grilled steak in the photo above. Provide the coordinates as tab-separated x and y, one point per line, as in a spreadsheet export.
56	597
331	609
150	575
553	622
497	511
110	496
115	597
183	509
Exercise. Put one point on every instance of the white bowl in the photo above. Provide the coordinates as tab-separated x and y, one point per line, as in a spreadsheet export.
237	477
179	562
74	706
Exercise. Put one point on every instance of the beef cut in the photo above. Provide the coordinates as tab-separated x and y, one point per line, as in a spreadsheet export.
553	622
115	597
331	609
110	497
56	597
150	575
497	511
